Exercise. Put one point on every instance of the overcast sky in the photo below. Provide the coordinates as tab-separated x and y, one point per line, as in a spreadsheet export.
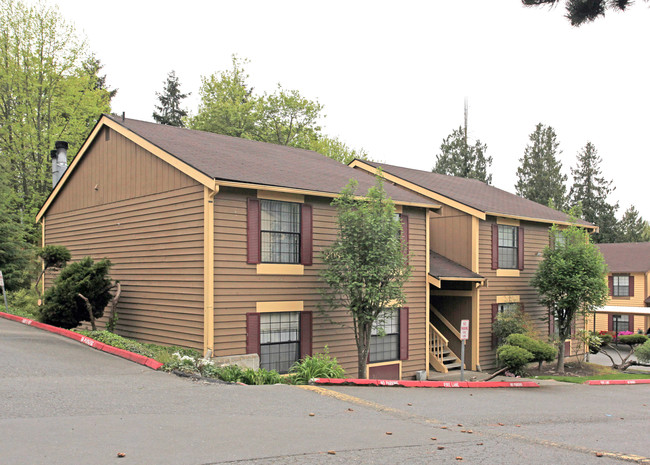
393	75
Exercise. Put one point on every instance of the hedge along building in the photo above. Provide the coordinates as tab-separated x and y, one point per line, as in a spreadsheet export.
628	305
486	244
216	243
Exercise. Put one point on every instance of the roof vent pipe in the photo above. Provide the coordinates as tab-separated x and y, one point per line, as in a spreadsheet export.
59	161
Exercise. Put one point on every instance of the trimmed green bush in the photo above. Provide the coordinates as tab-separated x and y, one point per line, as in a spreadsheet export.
510	322
541	352
316	366
643	352
607	339
632	339
63	307
261	376
513	357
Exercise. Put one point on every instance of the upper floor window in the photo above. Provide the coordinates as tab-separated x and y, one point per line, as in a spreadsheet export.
508	246
280	228
621	286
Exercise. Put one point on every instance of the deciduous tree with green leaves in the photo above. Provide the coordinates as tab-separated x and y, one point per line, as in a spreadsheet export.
539	176
169	111
366	266
337	149
570	281
49	90
590	191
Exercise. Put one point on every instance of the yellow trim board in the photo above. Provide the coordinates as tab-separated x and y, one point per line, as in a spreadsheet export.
508	272
419	189
382	364
434	281
507	221
475	244
281	196
542	220
427	291
208	269
508	299
273	268
286	306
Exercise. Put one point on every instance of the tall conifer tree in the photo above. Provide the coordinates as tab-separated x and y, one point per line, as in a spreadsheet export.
632	227
539	177
169	111
590	190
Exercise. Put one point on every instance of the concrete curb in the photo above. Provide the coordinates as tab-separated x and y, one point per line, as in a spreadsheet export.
426	384
607	382
137	358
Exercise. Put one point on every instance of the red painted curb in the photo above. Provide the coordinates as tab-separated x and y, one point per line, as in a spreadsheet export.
606	382
137	358
424	384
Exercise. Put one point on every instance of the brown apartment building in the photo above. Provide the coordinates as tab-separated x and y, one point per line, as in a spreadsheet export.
485	246
216	243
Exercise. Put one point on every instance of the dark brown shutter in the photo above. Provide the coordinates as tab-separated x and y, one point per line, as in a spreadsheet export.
495	246
610	284
405	231
495	312
630	319
404	333
306	234
253	231
305	334
253	333
631	286
520	245
610	322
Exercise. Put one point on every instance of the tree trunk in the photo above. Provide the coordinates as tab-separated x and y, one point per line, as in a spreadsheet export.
363	348
560	357
90	312
113	304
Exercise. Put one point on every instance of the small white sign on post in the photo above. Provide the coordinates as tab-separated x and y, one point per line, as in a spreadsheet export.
4	292
2	282
464	330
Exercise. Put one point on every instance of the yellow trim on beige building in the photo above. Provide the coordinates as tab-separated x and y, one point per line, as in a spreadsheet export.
42	262
286	306
475	244
281	196
508	272
381	364
427	241
275	268
475	322
541	220
433	281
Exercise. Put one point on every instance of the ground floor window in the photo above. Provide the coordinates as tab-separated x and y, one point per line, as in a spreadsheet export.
621	323
384	339
279	340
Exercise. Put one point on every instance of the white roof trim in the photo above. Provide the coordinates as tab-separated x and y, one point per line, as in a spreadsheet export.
614	309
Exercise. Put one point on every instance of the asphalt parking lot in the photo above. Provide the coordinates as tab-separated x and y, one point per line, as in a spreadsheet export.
62	402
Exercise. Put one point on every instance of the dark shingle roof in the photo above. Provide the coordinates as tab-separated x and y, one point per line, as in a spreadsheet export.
626	257
476	194
441	267
240	160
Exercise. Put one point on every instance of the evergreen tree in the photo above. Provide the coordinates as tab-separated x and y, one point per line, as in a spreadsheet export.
633	228
459	158
539	177
582	11
590	190
169	111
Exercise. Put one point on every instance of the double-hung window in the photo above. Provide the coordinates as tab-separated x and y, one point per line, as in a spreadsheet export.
280	231
508	246
384	338
279	340
621	286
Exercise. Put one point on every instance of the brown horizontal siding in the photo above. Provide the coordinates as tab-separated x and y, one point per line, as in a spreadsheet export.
147	218
115	170
451	235
536	238
238	287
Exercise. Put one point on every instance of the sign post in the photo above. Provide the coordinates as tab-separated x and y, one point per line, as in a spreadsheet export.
4	292
464	335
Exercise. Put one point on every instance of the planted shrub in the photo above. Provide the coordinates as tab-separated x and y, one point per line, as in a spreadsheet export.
230	373
513	357
316	366
632	339
643	352
63	307
261	376
541	352
510	321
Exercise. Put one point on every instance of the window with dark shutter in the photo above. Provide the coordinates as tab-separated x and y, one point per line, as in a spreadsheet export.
306	234
520	258
253	231
253	333
305	334
385	337
495	246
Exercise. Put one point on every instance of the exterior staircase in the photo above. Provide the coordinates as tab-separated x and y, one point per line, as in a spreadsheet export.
441	358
